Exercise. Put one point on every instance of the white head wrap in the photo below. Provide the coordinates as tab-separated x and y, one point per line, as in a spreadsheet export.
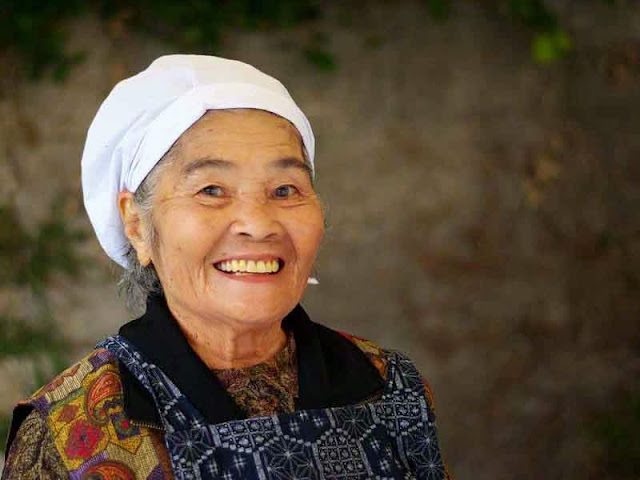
144	115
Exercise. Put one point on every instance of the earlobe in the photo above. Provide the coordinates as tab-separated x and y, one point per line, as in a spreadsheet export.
134	227
143	259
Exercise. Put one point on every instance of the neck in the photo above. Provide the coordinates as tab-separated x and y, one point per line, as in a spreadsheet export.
223	345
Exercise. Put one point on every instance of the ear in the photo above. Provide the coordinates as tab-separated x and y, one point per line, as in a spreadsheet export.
134	227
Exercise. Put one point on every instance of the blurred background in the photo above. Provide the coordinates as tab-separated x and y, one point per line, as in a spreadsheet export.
480	165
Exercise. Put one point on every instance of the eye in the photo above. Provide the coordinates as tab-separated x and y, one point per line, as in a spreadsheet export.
285	191
213	191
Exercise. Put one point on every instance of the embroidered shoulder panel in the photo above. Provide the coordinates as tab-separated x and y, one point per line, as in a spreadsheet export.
84	411
378	356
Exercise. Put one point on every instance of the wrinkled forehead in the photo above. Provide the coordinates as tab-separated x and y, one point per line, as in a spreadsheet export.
249	128
236	140
243	121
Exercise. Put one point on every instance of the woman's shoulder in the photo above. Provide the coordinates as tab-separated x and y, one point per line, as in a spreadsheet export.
379	357
98	365
96	376
33	454
82	413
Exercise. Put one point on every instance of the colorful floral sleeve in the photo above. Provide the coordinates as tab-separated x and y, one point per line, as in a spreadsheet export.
33	454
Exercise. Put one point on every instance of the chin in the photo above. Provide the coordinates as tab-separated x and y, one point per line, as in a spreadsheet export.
257	313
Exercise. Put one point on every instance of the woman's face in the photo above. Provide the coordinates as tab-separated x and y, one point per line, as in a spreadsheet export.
237	220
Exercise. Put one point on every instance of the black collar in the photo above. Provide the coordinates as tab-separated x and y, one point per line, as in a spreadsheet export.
332	371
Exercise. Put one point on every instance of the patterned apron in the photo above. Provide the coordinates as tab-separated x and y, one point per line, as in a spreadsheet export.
392	437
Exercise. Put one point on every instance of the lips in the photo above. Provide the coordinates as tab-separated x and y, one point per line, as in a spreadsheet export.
250	266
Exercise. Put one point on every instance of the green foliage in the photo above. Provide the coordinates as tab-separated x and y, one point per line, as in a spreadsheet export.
550	46
550	41
439	9
21	337
13	241
317	53
34	31
32	259
534	14
321	58
618	432
198	25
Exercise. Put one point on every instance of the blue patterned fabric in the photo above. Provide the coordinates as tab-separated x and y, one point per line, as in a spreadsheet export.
392	437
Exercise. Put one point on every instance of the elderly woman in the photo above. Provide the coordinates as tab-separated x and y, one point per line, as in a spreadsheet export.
198	179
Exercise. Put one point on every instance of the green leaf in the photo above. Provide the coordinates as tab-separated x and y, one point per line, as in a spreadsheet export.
439	9
320	58
543	50
534	14
547	47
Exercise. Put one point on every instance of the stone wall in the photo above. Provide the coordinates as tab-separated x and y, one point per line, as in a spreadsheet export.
482	211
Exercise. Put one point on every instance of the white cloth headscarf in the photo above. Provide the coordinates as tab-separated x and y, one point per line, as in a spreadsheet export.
144	115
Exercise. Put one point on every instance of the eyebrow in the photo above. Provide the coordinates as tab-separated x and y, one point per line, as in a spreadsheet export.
218	163
293	162
206	162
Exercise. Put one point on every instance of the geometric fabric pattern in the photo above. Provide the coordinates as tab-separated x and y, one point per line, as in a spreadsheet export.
391	437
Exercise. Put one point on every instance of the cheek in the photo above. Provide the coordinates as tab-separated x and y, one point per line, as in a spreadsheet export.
307	234
185	238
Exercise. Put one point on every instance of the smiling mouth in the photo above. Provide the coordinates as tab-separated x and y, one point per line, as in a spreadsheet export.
243	267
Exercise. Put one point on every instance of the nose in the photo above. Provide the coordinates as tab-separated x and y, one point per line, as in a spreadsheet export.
256	220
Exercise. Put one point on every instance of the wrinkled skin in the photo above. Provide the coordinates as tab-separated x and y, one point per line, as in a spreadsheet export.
238	186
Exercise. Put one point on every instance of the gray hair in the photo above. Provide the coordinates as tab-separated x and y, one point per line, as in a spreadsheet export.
137	282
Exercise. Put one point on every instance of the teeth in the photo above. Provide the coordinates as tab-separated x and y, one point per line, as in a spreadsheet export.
249	266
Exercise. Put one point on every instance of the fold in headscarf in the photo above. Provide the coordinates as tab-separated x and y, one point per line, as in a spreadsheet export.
144	115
